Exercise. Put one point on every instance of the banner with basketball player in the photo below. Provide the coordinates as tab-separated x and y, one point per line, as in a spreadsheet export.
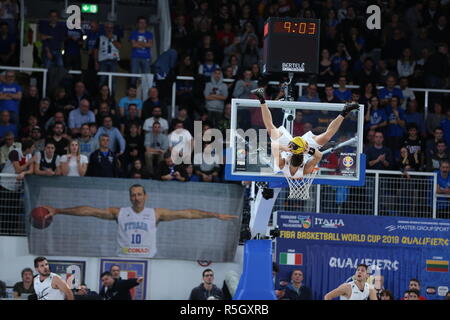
328	247
102	217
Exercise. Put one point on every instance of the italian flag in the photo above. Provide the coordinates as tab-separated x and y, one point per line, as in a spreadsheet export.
288	258
437	266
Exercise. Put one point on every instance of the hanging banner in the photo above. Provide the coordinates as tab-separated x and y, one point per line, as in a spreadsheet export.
182	221
328	247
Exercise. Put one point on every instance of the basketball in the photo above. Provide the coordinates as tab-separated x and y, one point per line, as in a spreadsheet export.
38	218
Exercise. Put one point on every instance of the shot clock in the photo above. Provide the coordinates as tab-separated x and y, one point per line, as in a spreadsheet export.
291	45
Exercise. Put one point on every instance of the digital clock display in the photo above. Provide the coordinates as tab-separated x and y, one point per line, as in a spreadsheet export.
303	28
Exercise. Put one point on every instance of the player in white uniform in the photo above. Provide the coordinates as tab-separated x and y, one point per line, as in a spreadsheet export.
48	285
358	289
292	160
137	224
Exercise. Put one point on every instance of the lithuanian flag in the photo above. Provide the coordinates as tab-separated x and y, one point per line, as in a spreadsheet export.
437	265
288	258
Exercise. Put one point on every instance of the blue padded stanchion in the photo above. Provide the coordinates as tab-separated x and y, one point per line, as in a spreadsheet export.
256	280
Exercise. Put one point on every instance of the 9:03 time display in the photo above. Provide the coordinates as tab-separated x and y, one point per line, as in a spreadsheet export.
309	28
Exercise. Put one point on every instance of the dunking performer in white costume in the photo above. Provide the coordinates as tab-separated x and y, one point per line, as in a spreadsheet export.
298	156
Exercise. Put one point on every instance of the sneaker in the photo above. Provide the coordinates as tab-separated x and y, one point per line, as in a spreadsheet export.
259	92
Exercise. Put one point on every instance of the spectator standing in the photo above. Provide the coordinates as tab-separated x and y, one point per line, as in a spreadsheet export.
396	125
131	98
72	49
87	143
156	144
79	116
141	54
10	96
92	36
25	287
296	290
52	34
115	289
215	93
61	144
74	164
7	45
207	290
6	125
379	157
114	136
326	73
107	51
103	162
47	162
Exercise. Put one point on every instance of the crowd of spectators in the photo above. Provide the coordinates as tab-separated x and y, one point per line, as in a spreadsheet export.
81	129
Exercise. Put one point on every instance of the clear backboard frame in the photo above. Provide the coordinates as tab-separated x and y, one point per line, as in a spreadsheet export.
232	174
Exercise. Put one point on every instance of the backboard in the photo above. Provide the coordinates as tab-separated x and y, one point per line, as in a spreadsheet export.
249	156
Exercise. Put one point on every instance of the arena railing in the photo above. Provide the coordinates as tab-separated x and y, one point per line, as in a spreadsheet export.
384	193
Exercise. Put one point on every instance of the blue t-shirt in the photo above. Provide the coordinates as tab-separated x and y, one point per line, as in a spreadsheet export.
125	102
395	130
72	47
5	129
377	116
10	105
386	94
143	53
343	96
5	44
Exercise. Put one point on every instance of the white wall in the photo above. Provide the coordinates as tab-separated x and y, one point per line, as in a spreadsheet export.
167	279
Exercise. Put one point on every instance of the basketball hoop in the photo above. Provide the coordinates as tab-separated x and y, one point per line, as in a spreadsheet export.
299	188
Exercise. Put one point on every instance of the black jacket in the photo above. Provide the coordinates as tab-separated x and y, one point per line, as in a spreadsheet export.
101	166
291	293
200	293
120	290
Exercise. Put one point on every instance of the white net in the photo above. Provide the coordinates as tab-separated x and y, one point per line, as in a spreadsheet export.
299	188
